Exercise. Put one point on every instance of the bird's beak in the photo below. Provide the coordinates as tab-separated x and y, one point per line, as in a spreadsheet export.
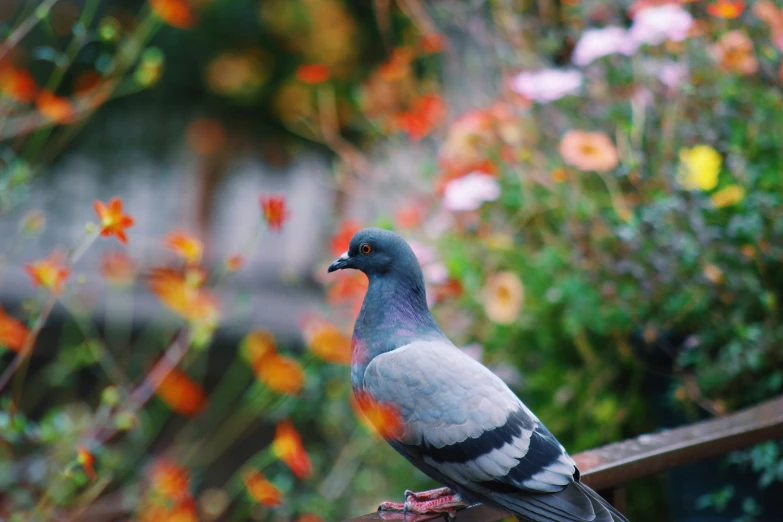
340	263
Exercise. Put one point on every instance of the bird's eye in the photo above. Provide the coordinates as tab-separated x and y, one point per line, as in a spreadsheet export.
366	248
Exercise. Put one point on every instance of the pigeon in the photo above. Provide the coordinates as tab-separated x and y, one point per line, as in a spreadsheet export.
460	424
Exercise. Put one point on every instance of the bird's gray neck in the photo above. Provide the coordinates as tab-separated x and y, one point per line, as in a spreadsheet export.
394	313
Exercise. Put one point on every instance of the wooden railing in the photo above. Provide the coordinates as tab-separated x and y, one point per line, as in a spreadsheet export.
609	468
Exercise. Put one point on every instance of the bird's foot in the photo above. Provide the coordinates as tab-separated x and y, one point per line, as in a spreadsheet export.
441	500
430	494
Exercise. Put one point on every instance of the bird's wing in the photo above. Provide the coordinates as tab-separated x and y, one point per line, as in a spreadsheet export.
463	421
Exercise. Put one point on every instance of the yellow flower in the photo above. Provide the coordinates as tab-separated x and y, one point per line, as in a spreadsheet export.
503	297
700	168
728	196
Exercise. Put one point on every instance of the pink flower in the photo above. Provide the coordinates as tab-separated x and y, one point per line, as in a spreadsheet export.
672	74
546	85
654	25
469	192
435	271
668	72
597	43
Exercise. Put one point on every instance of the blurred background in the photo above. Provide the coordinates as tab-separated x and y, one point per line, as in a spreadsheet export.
593	190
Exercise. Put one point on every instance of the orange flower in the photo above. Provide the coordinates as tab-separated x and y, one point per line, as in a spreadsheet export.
18	84
342	239
433	43
55	108
734	53
170	480
729	9
235	263
426	113
398	66
113	221
87	460
182	292
312	73
280	373
118	268
588	151
260	489
181	393
50	273
274	210
178	13
163	512
184	245
287	446
382	418
327	342
309	517
258	345
13	333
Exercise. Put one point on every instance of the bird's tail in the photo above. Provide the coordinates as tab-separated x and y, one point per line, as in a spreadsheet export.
576	503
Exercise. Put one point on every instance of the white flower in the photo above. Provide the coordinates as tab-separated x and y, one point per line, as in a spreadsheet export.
654	25
470	191
546	85
597	43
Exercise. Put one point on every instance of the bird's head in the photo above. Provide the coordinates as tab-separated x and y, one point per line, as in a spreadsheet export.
378	252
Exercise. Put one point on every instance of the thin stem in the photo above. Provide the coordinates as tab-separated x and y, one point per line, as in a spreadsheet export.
40	12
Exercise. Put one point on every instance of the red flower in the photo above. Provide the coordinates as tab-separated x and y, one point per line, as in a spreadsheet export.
342	238
313	73
50	273
13	333
178	13
18	84
287	446
113	221
275	212
426	114
729	9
